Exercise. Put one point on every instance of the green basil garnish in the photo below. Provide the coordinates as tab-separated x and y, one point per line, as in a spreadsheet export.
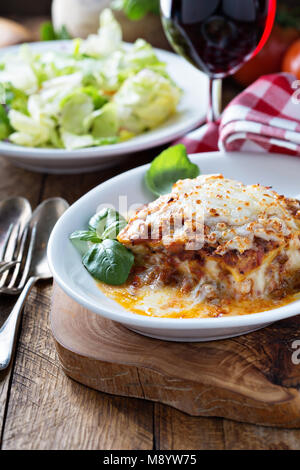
107	223
105	258
109	262
166	169
80	240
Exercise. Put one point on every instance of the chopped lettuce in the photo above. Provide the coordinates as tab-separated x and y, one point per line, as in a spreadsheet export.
99	93
108	39
98	98
146	100
16	99
5	128
104	121
73	141
75	108
30	132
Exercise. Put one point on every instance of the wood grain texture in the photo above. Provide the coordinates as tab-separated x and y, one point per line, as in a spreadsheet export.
177	431
13	182
42	408
18	182
250	378
48	411
241	436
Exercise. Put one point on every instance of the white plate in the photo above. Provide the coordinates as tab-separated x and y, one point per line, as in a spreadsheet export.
281	172
191	111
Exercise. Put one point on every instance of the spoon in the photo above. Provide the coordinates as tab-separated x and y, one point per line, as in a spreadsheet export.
41	224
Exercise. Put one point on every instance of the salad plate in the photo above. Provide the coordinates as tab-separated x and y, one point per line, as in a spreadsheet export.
190	112
69	273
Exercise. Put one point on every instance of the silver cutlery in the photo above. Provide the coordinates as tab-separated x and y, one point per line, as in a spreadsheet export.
40	227
15	213
4	266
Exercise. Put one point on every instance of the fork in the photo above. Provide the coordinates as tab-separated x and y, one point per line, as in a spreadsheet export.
12	256
4	266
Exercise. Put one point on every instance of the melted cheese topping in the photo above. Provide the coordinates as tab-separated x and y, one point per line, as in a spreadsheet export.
248	260
230	214
167	302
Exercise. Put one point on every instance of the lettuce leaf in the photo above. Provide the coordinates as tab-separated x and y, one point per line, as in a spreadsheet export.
146	100
108	39
30	132
104	122
75	108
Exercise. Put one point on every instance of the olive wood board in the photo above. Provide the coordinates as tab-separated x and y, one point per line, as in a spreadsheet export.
250	378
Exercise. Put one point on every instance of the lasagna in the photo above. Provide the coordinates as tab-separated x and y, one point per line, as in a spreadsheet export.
212	247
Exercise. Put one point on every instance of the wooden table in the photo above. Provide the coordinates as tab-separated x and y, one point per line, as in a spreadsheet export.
40	408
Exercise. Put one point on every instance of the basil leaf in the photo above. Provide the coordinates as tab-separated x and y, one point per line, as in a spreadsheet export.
114	229
80	240
98	219
166	169
109	262
107	223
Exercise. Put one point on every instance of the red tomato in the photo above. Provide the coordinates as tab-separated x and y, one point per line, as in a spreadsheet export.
291	61
269	60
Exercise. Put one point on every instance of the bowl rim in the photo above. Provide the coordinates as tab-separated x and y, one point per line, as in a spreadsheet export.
134	319
136	144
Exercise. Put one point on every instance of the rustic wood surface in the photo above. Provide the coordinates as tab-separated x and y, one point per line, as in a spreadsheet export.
41	408
250	378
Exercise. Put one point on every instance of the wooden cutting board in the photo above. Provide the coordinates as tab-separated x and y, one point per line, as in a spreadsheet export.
250	378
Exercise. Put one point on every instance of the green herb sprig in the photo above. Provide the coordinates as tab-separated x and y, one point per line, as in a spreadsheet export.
103	256
166	169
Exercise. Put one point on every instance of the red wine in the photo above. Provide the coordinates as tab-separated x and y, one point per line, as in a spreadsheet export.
217	36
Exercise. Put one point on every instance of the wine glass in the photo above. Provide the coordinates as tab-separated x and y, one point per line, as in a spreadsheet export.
217	36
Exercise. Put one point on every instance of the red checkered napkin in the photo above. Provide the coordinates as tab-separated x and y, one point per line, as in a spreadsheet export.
264	118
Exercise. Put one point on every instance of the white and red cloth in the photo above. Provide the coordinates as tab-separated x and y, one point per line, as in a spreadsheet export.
263	118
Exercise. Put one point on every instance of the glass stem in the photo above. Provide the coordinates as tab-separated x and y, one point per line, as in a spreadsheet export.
215	99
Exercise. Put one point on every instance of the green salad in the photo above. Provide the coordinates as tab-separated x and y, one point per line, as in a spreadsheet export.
98	93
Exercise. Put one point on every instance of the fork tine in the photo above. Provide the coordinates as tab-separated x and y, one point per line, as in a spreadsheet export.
6	266
5	244
28	258
19	258
10	250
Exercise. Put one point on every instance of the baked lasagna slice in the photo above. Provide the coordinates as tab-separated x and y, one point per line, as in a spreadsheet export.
218	239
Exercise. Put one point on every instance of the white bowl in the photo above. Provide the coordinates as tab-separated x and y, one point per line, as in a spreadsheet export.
281	172
191	111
